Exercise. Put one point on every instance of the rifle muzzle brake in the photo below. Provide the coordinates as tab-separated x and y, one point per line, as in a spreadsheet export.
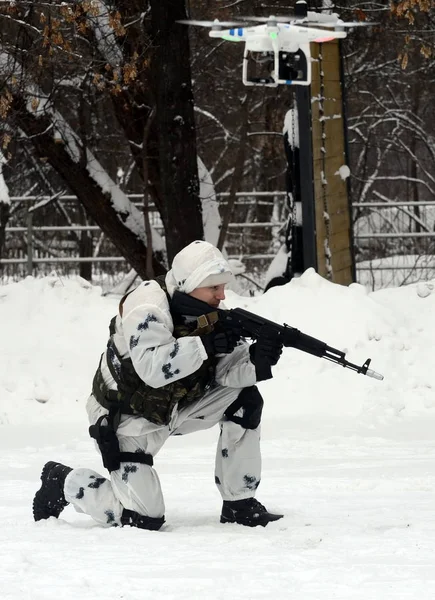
374	374
369	372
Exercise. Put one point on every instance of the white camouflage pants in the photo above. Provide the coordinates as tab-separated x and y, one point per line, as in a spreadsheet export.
136	486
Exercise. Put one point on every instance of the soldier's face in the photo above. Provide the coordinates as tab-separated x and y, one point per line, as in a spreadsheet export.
212	295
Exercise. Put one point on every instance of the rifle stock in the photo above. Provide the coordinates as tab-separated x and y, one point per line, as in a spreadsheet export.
250	325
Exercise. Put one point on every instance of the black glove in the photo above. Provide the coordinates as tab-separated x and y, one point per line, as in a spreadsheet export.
266	352
220	342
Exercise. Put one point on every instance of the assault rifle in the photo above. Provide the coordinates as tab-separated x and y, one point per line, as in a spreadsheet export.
250	326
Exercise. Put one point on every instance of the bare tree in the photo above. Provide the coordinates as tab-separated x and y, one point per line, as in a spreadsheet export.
80	79
389	74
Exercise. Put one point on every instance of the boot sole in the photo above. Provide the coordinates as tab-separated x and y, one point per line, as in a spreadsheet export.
258	522
43	512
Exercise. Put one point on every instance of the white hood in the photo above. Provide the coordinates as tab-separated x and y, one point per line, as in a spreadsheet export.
199	264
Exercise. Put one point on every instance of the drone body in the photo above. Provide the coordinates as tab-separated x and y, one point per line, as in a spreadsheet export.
281	46
287	46
263	38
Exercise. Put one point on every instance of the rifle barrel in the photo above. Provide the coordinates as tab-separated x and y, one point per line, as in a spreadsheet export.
294	338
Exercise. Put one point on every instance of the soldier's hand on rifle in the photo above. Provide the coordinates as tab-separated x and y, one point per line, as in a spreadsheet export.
221	342
266	352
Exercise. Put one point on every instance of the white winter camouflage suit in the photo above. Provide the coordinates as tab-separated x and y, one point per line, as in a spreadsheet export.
136	486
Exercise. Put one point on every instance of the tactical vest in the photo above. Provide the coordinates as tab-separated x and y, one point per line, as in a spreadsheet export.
134	396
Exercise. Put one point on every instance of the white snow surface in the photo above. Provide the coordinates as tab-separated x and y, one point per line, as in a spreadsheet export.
291	127
4	190
348	460
343	171
278	264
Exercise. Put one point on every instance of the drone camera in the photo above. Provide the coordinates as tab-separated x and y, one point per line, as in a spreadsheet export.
293	67
258	68
272	69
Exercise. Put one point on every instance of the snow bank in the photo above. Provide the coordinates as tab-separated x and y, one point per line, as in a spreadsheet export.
55	330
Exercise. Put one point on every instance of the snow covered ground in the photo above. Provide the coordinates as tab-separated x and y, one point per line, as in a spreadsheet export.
349	460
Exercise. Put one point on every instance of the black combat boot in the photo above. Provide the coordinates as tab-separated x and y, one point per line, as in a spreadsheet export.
134	519
49	500
247	512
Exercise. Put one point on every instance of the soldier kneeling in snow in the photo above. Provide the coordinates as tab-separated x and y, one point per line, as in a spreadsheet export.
165	372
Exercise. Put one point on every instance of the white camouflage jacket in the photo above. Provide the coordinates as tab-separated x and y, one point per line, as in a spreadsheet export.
145	333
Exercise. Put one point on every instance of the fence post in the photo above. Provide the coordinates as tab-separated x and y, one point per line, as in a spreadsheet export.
29	242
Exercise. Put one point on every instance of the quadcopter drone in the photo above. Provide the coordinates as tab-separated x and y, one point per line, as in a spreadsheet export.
281	46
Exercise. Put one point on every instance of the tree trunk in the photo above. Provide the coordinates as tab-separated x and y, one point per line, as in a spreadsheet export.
4	218
237	174
85	247
177	156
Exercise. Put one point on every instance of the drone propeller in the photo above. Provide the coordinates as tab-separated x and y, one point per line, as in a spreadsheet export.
356	24
271	19
216	24
311	20
338	24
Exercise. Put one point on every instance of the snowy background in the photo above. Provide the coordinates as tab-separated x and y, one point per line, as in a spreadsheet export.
348	459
